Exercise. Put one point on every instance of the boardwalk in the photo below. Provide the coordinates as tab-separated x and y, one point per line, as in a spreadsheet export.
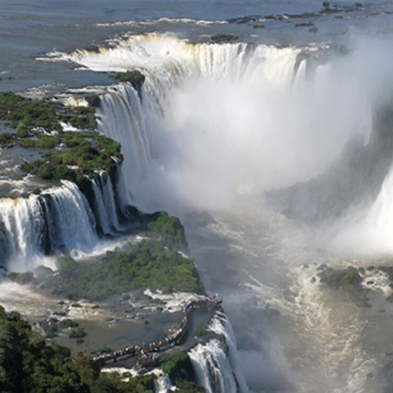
147	354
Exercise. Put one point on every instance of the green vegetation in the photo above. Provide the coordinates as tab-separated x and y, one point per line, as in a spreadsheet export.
86	153
29	365
218	38
341	277
146	264
38	125
134	77
78	333
200	332
24	114
180	370
168	229
22	278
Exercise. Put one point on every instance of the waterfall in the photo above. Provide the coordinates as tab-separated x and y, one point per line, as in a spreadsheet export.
22	226
212	368
221	326
58	220
163	384
71	222
203	104
105	206
370	229
215	363
118	121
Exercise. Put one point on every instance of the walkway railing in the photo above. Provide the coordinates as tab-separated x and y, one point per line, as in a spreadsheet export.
147	353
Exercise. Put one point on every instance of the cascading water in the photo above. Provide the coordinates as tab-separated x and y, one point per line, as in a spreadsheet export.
212	368
198	97
23	227
163	384
60	219
119	122
215	363
105	206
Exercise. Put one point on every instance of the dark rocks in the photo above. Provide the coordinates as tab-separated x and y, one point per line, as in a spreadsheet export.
339	278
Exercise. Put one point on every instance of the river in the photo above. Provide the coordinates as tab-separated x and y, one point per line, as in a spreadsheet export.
220	126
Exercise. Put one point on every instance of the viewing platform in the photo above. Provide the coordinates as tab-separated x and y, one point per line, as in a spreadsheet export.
147	354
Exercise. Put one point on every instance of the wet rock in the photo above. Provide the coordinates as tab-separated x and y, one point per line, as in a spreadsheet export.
322	267
370	268
313	29
200	219
42	272
305	24
306	266
313	280
370	282
341	277
243	20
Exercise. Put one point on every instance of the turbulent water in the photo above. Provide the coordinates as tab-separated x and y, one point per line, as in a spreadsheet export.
274	149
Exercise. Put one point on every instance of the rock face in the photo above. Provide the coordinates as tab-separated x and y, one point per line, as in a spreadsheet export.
340	278
354	178
349	280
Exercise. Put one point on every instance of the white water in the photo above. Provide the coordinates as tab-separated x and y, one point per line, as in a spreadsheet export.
163	384
206	108
105	206
212	368
118	122
60	220
370	231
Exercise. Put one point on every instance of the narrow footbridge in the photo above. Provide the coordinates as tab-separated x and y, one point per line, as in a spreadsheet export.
147	354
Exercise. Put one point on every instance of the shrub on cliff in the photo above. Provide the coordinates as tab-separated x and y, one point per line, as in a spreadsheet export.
169	229
181	372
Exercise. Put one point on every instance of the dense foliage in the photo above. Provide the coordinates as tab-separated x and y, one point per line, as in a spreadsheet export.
38	125
181	372
169	229
218	38
85	153
29	365
24	114
146	264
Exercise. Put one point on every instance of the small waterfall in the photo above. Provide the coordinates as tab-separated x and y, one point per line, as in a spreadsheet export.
163	384
59	219
212	367
371	229
23	227
105	206
71	222
215	363
220	325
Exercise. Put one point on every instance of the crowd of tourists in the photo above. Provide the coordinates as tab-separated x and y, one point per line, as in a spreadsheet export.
147	353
